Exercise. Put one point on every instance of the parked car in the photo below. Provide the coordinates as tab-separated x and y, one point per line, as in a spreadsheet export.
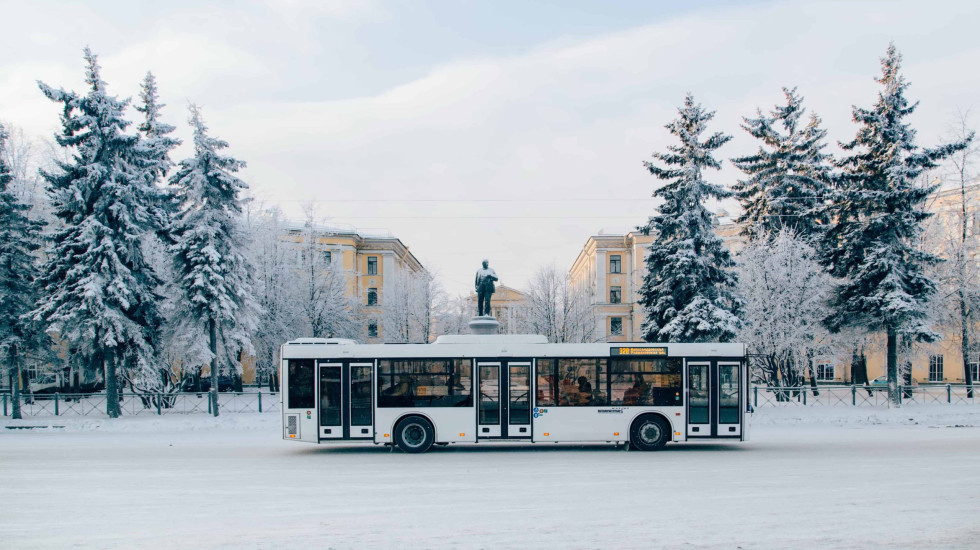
47	382
225	383
880	382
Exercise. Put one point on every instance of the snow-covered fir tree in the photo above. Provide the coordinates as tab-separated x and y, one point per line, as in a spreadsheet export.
689	290
788	177
18	241
98	293
878	214
153	153
212	295
151	158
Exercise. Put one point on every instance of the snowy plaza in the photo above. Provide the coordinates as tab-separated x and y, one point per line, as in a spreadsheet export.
808	478
495	274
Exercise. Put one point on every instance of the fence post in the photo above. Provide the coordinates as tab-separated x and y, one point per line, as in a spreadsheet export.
159	399
56	403
901	393
854	394
949	394
5	404
260	400
755	390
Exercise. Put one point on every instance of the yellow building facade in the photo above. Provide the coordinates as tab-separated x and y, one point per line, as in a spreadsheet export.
371	262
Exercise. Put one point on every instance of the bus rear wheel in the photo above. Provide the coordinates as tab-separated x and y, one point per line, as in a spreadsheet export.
414	435
649	433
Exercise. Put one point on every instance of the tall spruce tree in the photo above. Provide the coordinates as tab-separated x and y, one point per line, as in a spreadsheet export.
878	214
788	177
153	154
151	159
212	289
98	292
689	289
18	240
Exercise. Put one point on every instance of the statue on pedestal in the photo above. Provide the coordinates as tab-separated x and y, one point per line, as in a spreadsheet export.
484	288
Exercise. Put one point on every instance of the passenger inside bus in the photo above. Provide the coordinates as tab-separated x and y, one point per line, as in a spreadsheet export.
633	394
576	393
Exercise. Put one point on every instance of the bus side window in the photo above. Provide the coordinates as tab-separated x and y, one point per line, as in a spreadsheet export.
301	380
545	370
583	382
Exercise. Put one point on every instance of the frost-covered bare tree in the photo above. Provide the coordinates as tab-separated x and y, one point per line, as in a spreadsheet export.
785	292
428	295
558	310
25	158
275	285
18	294
323	288
453	315
956	238
408	306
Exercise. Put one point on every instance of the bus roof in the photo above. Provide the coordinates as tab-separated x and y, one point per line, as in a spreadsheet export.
502	345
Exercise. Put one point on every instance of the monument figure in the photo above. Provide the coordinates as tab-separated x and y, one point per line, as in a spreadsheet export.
484	288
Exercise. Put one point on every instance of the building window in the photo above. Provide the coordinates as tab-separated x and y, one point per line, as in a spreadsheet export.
935	368
825	371
327	257
616	326
974	372
372	265
616	295
372	297
616	264
373	329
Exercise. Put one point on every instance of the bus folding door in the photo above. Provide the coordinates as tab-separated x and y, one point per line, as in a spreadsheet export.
714	405
346	400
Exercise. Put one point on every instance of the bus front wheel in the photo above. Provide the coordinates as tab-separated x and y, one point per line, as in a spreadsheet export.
649	433
414	435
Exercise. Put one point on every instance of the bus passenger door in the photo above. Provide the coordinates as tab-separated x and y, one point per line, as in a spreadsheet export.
346	397
489	407
360	411
699	421
330	407
729	399
518	399
714	405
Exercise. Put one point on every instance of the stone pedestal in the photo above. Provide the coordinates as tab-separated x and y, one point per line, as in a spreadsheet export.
484	325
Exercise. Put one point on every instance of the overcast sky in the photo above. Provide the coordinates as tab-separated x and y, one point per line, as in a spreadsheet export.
511	130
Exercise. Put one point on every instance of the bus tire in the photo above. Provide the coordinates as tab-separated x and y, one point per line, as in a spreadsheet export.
414	434
649	433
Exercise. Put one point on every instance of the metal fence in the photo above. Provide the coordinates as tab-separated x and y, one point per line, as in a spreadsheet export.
132	404
855	396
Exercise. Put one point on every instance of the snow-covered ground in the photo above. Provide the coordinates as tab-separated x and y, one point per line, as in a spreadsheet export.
810	478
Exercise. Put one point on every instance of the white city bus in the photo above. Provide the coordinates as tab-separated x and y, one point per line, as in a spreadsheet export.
471	389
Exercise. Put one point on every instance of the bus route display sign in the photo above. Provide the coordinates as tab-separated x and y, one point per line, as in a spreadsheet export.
662	351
